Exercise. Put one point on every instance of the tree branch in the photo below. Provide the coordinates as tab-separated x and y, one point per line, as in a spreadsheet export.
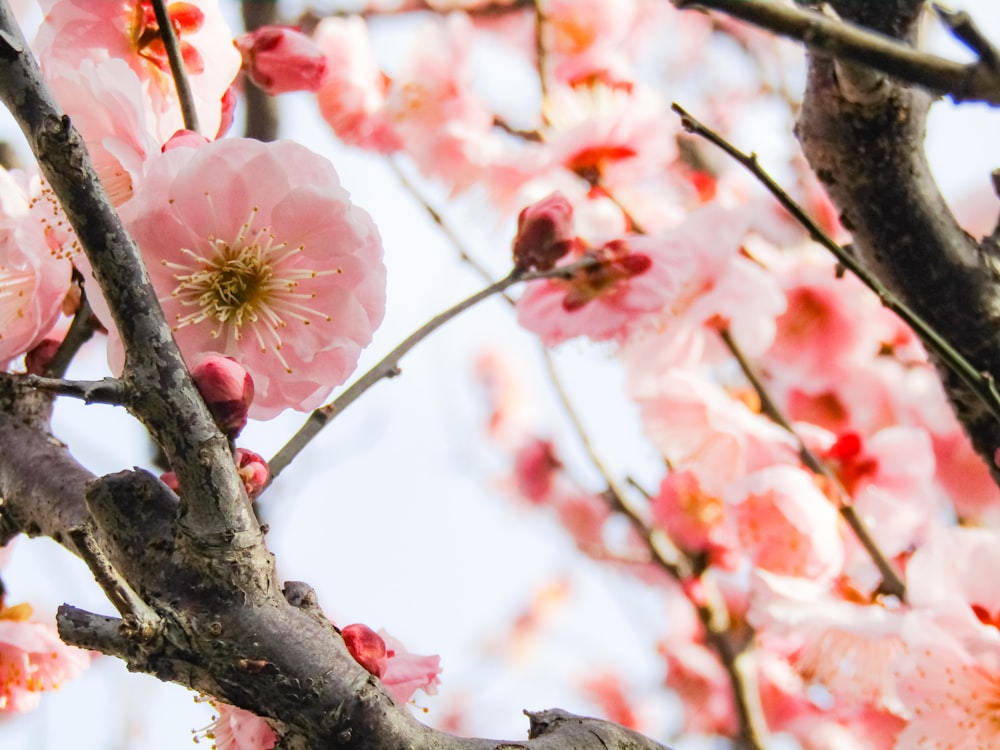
978	81
870	156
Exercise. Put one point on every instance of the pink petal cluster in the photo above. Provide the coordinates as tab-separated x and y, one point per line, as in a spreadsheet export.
257	253
32	660
236	729
280	59
74	30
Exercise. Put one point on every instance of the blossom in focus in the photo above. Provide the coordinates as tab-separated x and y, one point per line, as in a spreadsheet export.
32	659
35	268
280	59
257	253
236	729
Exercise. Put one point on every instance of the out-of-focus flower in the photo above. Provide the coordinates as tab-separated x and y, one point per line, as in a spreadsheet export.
32	659
280	59
257	253
406	673
352	95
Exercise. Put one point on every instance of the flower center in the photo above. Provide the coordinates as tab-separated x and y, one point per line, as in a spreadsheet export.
246	284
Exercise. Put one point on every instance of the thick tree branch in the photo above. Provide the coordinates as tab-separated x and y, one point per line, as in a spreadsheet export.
214	506
978	81
870	156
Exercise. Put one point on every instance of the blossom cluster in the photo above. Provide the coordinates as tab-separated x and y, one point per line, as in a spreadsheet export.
808	462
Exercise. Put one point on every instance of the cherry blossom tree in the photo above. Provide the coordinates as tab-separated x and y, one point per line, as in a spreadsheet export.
809	348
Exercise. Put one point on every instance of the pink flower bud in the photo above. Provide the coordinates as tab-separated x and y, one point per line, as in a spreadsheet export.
280	59
170	479
37	360
367	647
227	389
253	471
544	233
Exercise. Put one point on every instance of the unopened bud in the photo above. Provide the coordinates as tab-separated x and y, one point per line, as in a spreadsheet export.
170	479
227	389
280	59
544	233
37	360
253	471
367	647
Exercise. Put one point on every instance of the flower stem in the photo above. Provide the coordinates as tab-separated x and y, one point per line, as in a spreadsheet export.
176	59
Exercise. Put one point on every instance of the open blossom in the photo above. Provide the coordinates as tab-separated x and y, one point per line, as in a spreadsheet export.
34	269
257	253
32	659
74	30
236	729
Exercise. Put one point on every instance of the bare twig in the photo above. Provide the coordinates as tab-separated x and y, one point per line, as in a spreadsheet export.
965	30
81	329
104	391
980	383
177	70
389	365
978	81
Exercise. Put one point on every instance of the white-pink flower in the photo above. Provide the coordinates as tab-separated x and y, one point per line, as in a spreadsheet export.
236	729
32	660
74	30
257	253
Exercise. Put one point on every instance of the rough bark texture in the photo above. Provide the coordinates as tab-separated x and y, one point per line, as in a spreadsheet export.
869	153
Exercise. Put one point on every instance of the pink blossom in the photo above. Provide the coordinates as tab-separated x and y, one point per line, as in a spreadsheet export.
634	279
831	633
280	59
105	101
588	35
786	524
351	96
443	123
74	30
32	660
702	685
35	267
236	729
695	520
535	468
951	692
698	426
610	132
405	673
258	254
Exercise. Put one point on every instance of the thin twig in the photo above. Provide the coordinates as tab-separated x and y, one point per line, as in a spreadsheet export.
81	330
105	391
389	365
978	81
138	617
891	584
980	383
965	30
176	59
542	58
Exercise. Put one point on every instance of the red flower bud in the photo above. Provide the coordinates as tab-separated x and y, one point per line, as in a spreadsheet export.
253	471
227	389
367	647
544	233
280	59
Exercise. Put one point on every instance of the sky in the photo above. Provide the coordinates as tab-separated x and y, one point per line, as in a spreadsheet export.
397	515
